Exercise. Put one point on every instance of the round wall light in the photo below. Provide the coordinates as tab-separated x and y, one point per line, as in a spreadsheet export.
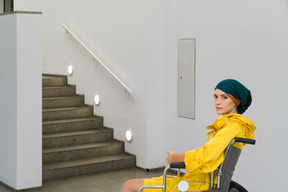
97	99
70	69
128	135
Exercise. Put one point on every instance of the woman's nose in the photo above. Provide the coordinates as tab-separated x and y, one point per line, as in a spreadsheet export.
217	101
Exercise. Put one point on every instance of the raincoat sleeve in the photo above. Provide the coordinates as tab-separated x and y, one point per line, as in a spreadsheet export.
208	157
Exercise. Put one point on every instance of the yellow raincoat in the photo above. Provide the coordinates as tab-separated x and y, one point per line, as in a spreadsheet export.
204	160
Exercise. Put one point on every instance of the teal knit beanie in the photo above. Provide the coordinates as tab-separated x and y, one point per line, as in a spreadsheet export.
238	91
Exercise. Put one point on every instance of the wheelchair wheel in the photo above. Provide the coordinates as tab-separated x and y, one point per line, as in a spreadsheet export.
236	187
233	190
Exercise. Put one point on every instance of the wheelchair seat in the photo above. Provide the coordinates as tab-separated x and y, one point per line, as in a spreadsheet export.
225	171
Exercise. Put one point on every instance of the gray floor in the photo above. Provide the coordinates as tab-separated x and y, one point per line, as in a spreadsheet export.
101	182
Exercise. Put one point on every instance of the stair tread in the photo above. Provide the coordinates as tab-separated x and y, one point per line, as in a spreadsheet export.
66	108
57	86
72	133
87	161
51	76
81	146
70	120
61	97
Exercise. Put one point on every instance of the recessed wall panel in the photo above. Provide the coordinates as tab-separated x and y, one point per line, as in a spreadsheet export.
186	78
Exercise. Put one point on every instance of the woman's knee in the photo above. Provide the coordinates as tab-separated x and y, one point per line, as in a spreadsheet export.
132	185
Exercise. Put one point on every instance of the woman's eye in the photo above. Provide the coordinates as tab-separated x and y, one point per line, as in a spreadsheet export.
215	97
224	97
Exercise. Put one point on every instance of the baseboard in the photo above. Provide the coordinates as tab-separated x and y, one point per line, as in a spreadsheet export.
34	189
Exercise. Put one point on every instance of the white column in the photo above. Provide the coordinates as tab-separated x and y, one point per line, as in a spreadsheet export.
21	100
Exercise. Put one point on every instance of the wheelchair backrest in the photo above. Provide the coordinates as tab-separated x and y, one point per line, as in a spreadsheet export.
227	168
230	160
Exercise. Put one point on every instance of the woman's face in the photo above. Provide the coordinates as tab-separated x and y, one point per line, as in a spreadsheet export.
223	103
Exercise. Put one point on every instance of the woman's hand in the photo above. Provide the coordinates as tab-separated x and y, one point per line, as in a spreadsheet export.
170	157
174	157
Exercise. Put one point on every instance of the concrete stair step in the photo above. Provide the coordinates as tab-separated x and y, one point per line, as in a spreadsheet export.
53	80
77	124
60	102
75	142
67	113
82	151
87	166
58	91
77	137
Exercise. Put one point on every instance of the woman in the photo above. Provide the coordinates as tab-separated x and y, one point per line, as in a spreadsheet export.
231	99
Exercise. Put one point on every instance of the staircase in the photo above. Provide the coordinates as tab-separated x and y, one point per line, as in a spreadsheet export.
75	142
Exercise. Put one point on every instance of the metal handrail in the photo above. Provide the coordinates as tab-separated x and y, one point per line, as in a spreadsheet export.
96	58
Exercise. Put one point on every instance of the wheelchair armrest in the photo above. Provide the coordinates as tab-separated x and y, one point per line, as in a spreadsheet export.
243	140
178	165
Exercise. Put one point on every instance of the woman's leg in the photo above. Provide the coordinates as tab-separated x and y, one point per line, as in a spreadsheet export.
132	185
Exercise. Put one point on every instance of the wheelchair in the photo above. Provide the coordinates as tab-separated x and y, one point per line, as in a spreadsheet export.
224	172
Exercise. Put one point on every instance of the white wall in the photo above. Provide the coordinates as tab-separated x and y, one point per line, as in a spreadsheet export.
8	112
21	104
119	34
245	40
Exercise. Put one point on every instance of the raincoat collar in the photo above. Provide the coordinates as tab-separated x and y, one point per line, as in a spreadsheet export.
221	121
